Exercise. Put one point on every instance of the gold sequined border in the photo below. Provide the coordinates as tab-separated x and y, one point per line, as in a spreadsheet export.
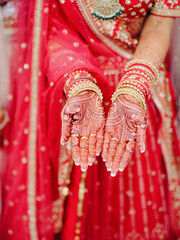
88	18
165	12
33	121
82	190
160	96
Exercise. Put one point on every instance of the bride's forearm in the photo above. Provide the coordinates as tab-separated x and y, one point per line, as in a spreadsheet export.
154	41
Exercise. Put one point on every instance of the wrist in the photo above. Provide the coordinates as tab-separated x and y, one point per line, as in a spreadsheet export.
80	81
140	76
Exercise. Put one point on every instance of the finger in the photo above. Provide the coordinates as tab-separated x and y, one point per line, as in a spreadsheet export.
92	149
75	149
119	153
99	140
106	146
127	155
115	167
140	136
66	127
111	152
84	147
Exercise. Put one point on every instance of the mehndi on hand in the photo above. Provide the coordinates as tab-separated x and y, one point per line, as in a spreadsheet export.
83	120
126	122
125	127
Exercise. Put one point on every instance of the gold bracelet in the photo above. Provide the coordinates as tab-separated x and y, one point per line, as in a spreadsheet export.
145	62
84	87
131	92
151	78
135	85
76	73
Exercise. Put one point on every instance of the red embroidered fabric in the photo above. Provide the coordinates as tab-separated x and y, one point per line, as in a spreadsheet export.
140	203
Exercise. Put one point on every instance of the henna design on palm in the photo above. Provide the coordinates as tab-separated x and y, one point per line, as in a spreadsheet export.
125	127
83	120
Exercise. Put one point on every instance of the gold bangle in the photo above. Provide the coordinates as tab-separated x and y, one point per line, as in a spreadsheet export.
130	92
76	73
83	87
148	73
145	62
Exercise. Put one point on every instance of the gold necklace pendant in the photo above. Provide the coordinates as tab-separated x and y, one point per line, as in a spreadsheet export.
107	9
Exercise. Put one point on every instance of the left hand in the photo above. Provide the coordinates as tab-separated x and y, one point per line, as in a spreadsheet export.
125	127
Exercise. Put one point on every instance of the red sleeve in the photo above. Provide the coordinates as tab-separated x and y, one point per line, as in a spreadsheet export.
166	8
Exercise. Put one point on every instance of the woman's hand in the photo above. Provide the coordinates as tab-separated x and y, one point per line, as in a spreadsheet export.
83	120
125	127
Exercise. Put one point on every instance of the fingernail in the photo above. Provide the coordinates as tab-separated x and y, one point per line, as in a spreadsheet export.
104	160
97	154
77	163
108	169
90	164
83	170
113	174
143	150
121	169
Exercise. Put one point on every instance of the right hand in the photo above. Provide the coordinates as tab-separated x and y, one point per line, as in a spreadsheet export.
83	120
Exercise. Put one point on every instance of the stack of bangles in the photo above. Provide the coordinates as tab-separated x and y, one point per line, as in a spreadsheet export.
140	76
79	81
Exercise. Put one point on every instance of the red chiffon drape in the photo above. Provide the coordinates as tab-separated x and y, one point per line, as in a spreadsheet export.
53	41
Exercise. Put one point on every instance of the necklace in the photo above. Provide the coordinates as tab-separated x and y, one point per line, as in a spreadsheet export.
107	9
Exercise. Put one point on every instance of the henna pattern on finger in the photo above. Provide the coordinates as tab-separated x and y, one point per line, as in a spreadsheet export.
84	116
126	122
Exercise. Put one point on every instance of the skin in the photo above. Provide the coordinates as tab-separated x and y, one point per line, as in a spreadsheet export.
83	120
153	46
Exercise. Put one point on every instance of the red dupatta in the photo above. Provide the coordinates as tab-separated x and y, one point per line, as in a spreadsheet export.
32	137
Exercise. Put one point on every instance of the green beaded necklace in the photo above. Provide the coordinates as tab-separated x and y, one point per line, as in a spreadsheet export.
107	9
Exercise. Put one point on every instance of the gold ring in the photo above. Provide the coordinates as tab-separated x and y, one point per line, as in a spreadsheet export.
84	138
115	139
92	135
74	135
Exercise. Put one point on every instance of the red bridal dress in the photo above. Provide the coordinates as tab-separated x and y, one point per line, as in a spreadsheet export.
43	193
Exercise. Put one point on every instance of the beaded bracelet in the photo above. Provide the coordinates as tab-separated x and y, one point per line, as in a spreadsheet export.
137	82
79	81
143	63
139	78
83	86
76	76
143	73
138	85
132	92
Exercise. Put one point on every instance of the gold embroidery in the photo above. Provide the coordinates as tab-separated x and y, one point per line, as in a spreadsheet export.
64	175
114	45
166	12
80	204
160	95
33	122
